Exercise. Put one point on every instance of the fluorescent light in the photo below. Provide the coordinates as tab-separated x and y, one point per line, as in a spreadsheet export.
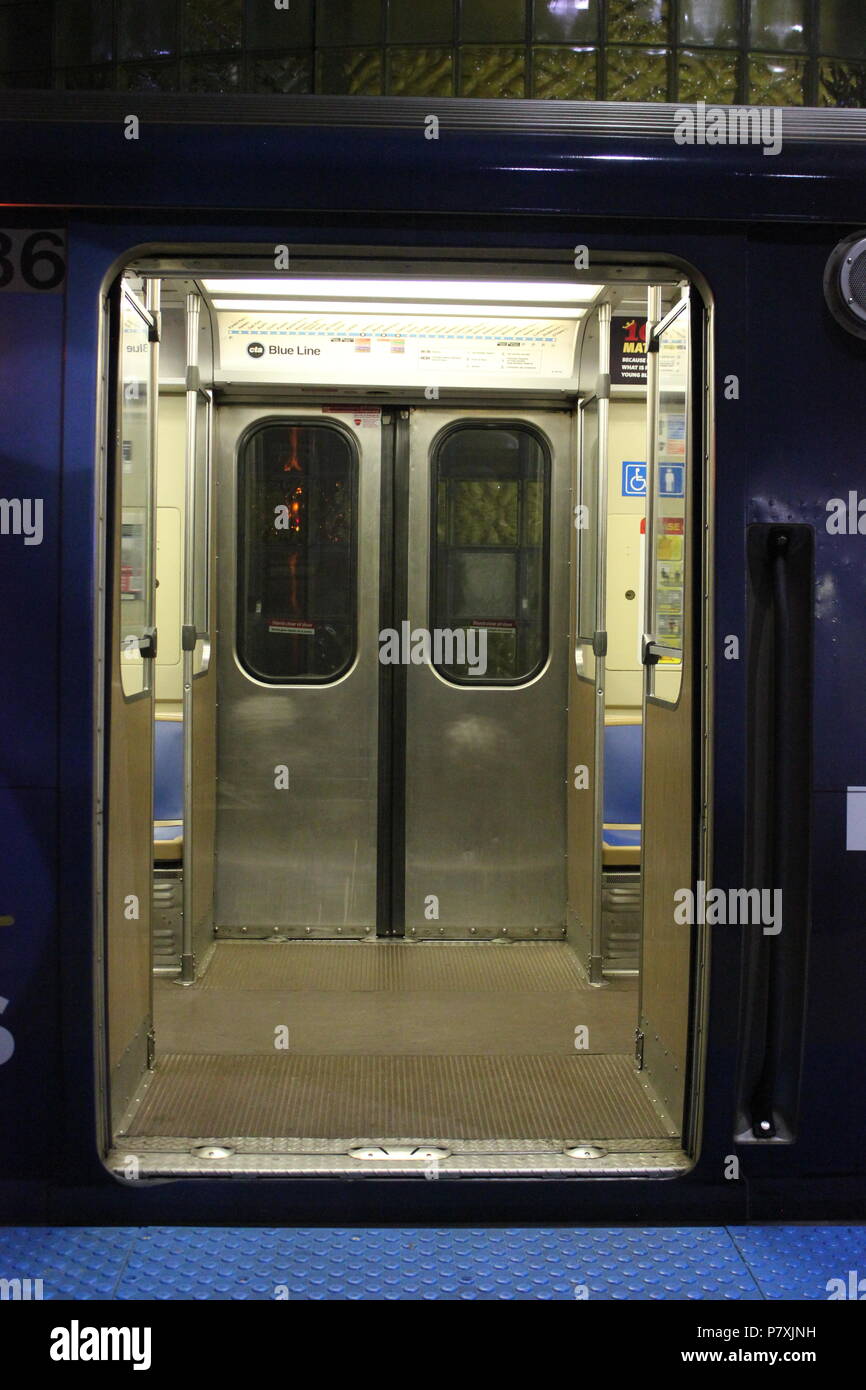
506	291
361	309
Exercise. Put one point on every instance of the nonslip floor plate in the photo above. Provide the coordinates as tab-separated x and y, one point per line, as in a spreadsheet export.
536	967
543	1097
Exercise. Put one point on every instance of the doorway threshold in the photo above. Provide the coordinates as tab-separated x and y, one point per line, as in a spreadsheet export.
423	1158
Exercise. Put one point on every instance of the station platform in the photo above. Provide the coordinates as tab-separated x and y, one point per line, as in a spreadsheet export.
749	1263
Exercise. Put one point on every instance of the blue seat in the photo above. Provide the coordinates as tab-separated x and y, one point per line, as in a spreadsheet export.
623	752
168	788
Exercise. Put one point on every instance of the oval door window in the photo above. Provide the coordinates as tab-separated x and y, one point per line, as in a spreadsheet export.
489	549
297	543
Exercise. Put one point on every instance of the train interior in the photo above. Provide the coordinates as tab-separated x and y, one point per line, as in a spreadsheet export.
398	764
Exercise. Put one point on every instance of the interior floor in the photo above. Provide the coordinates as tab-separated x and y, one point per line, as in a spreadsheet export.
440	1041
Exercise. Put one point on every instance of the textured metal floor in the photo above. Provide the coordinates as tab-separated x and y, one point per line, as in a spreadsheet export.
747	1263
440	1041
433	1098
516	967
394	999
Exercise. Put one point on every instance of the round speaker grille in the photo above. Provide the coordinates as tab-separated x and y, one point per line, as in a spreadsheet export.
855	282
845	283
852	280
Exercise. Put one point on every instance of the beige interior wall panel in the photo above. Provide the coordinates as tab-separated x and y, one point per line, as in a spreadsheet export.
623	670
623	693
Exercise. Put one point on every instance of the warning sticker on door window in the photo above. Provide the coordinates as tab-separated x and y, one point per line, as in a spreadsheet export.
291	627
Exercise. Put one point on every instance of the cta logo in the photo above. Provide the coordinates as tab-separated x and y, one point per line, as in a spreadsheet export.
256	349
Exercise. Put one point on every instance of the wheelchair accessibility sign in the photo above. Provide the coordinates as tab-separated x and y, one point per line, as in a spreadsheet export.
634	480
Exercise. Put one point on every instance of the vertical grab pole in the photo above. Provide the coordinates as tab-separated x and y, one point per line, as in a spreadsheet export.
599	644
193	309
654	315
151	300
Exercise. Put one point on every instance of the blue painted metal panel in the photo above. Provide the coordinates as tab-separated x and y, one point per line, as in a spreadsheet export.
77	605
833	1124
31	353
804	393
28	988
392	170
803	398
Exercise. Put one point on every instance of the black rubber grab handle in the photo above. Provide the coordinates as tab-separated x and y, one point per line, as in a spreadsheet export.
778	825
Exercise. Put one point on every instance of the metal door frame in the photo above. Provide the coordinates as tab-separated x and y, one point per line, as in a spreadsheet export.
674	1080
515	260
125	1076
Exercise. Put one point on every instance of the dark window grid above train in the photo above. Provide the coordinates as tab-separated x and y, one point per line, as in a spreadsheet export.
767	52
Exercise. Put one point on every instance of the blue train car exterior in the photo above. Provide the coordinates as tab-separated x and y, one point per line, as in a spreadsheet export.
756	231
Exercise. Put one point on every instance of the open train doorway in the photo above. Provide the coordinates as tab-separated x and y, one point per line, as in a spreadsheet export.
421	550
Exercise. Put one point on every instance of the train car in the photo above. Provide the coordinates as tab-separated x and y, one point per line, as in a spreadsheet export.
434	783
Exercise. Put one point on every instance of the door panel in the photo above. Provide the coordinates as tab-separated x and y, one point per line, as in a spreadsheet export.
485	754
586	698
299	675
670	654
128	812
199	667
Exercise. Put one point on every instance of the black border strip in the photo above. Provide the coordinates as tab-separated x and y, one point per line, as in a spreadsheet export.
385	806
399	609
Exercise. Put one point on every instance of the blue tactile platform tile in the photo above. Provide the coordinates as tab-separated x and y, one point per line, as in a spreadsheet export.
706	1263
72	1262
801	1262
471	1265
